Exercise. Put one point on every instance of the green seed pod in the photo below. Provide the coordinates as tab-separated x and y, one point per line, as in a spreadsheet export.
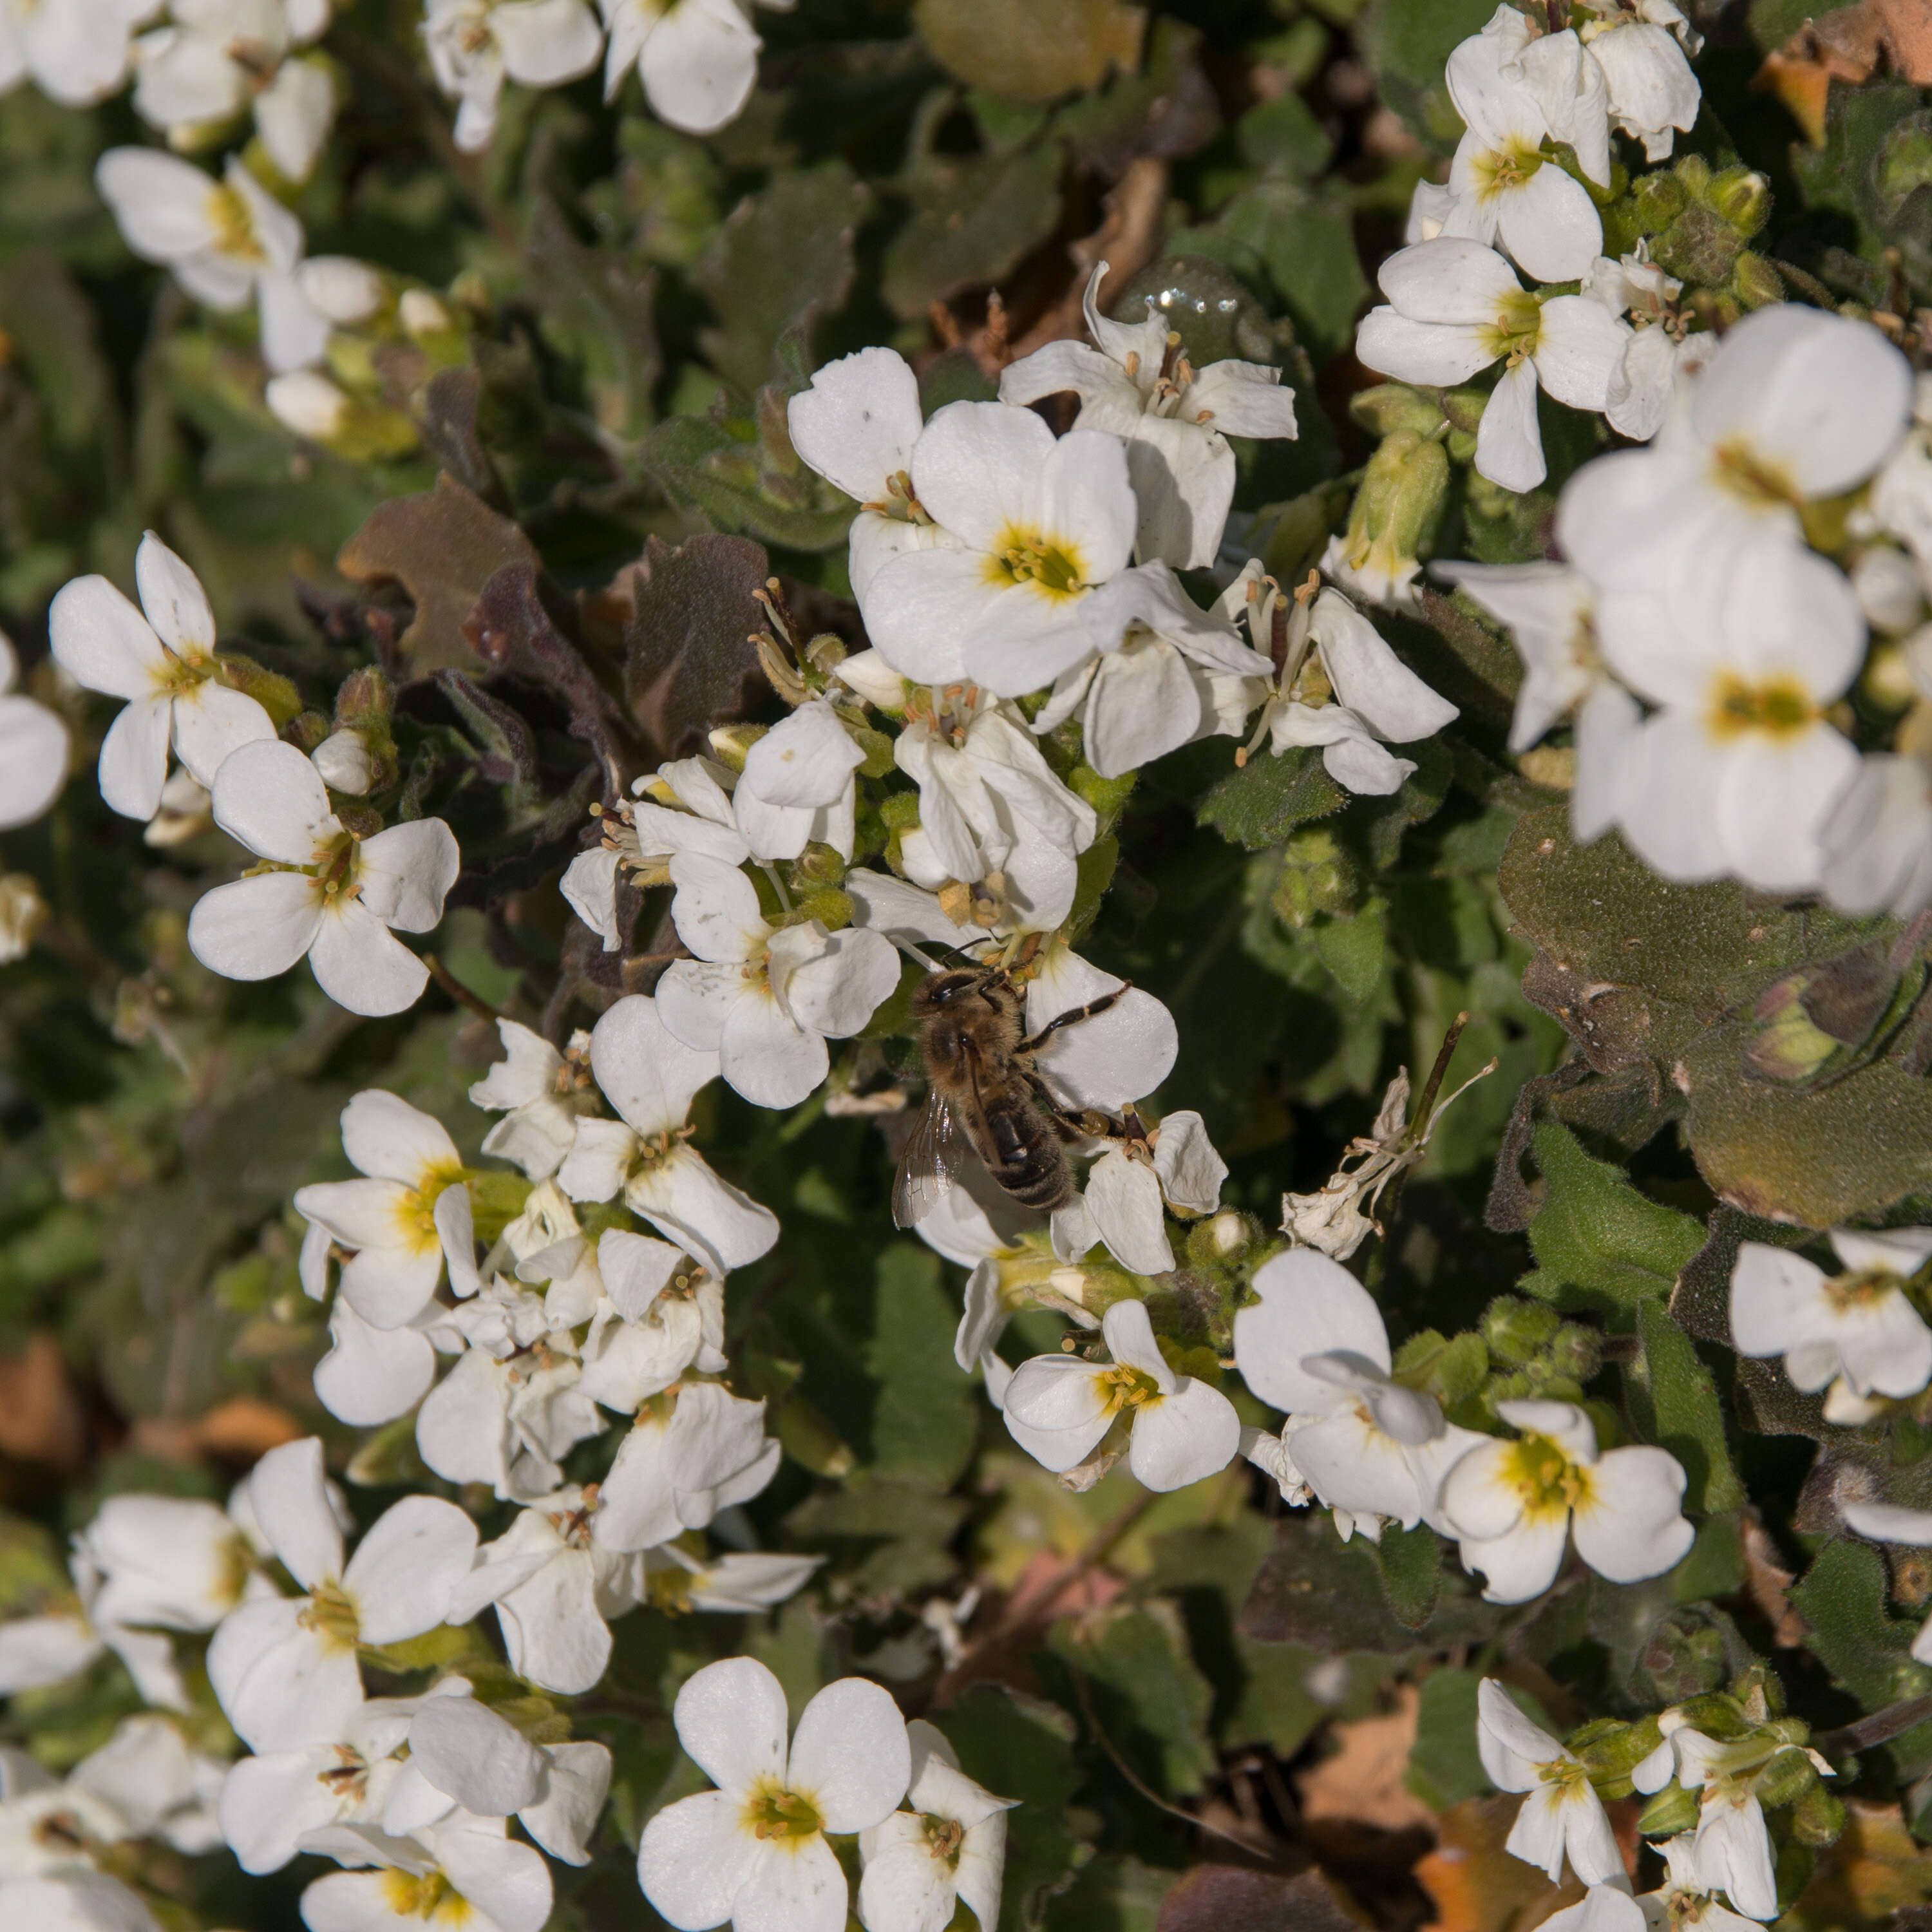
1785	1779
1671	1811
1818	1817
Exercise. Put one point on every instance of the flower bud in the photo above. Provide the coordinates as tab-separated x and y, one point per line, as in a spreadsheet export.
730	744
340	288
1818	1817
1610	1751
1395	511
1516	1330
342	759
421	314
1220	1238
1575	1354
1390	407
1785	1779
1740	197
1755	282
1317	874
308	403
1683	1657
832	909
1671	1811
1788	1047
272	691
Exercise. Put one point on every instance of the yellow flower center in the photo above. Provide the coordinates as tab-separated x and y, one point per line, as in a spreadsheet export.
1518	327
1026	557
415	1212
1778	707
429	1895
786	1817
1503	170
1128	1388
234	226
330	1613
1548	1483
1565	1773
1861	1289
669	1590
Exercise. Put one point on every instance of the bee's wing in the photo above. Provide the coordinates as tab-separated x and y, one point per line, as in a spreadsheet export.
940	1146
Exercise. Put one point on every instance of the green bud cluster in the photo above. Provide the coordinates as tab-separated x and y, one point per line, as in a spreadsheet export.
1696	221
1538	1354
1319	874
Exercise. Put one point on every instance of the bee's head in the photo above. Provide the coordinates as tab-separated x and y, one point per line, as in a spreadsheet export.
946	991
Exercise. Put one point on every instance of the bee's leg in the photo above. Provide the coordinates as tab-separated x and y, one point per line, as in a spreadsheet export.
1090	1124
1074	1018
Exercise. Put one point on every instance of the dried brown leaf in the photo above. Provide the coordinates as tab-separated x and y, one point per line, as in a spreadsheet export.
1361	1782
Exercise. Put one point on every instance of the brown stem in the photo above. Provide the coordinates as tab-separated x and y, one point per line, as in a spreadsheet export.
458	992
1894	1720
1433	1085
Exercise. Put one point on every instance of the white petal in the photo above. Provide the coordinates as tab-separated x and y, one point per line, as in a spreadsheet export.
1181	1439
1448	281
699	65
407	871
1310	1305
731	1718
280	1684
370	1375
647	1075
362	966
290	1495
693	1859
857	423
1631	1526
851	1753
1551	226
1509	445
577	1777
254	929
1578	350
133	761
467	1751
1124	1197
405	1568
682	1198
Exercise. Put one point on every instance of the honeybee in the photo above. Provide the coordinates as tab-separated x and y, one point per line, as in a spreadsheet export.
984	1097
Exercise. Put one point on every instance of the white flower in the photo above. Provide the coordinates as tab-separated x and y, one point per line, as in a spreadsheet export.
1129	1188
33	748
508	1422
1656	353
540	1092
272	1800
1737	770
474	46
74	51
685	806
1119	1055
1038	523
989	805
1609	1908
1683	1899
553	1589
168	1562
326	893
284	1668
650	1077
1794	403
372	1375
1137	383
797	787
739	1584
765	999
1341	685
1165	673
1640	46
62	1641
1513	1504
753	1852
1315	1345
1455	306
856	426
164	664
160	1787
660	1315
215	57
949	1844
463	1754
1514	93
694	1451
1562	1815
223	241
466	1871
1730	1850
1859	1326
697	59
1876	840
410	1215
1058	1408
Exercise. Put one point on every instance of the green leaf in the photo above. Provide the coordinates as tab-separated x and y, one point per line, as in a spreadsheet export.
1260	804
927	1415
1147	1695
1674	1401
973	219
596	304
1443	1767
1355	950
1411	1560
1021	1746
1300	242
1599	1245
783	256
1031	49
883	1535
1407	44
742	484
1842	1599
